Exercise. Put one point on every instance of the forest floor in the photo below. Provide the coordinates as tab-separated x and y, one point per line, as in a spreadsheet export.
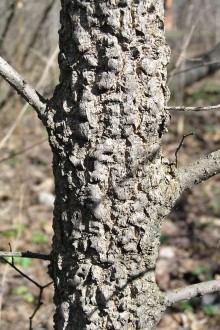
190	239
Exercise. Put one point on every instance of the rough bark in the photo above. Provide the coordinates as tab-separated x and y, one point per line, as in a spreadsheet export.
113	186
199	171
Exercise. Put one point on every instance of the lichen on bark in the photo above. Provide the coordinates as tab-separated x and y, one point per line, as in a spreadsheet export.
113	186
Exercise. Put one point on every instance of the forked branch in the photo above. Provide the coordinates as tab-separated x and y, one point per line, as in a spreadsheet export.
39	286
199	171
22	87
190	291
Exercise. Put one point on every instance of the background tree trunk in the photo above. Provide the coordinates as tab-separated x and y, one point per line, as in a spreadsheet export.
113	187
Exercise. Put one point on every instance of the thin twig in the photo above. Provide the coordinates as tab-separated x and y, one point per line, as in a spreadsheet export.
190	291
22	87
40	287
39	304
25	107
180	145
19	271
27	254
183	108
12	249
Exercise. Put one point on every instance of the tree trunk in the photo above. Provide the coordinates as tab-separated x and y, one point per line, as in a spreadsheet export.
113	187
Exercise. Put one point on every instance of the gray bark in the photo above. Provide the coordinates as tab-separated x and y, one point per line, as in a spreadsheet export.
191	291
113	186
203	169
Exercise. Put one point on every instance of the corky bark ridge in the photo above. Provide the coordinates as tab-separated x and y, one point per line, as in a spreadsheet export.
113	187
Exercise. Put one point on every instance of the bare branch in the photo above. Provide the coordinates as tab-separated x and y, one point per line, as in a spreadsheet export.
26	254
23	110
201	170
180	145
190	291
22	87
39	304
39	286
183	108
